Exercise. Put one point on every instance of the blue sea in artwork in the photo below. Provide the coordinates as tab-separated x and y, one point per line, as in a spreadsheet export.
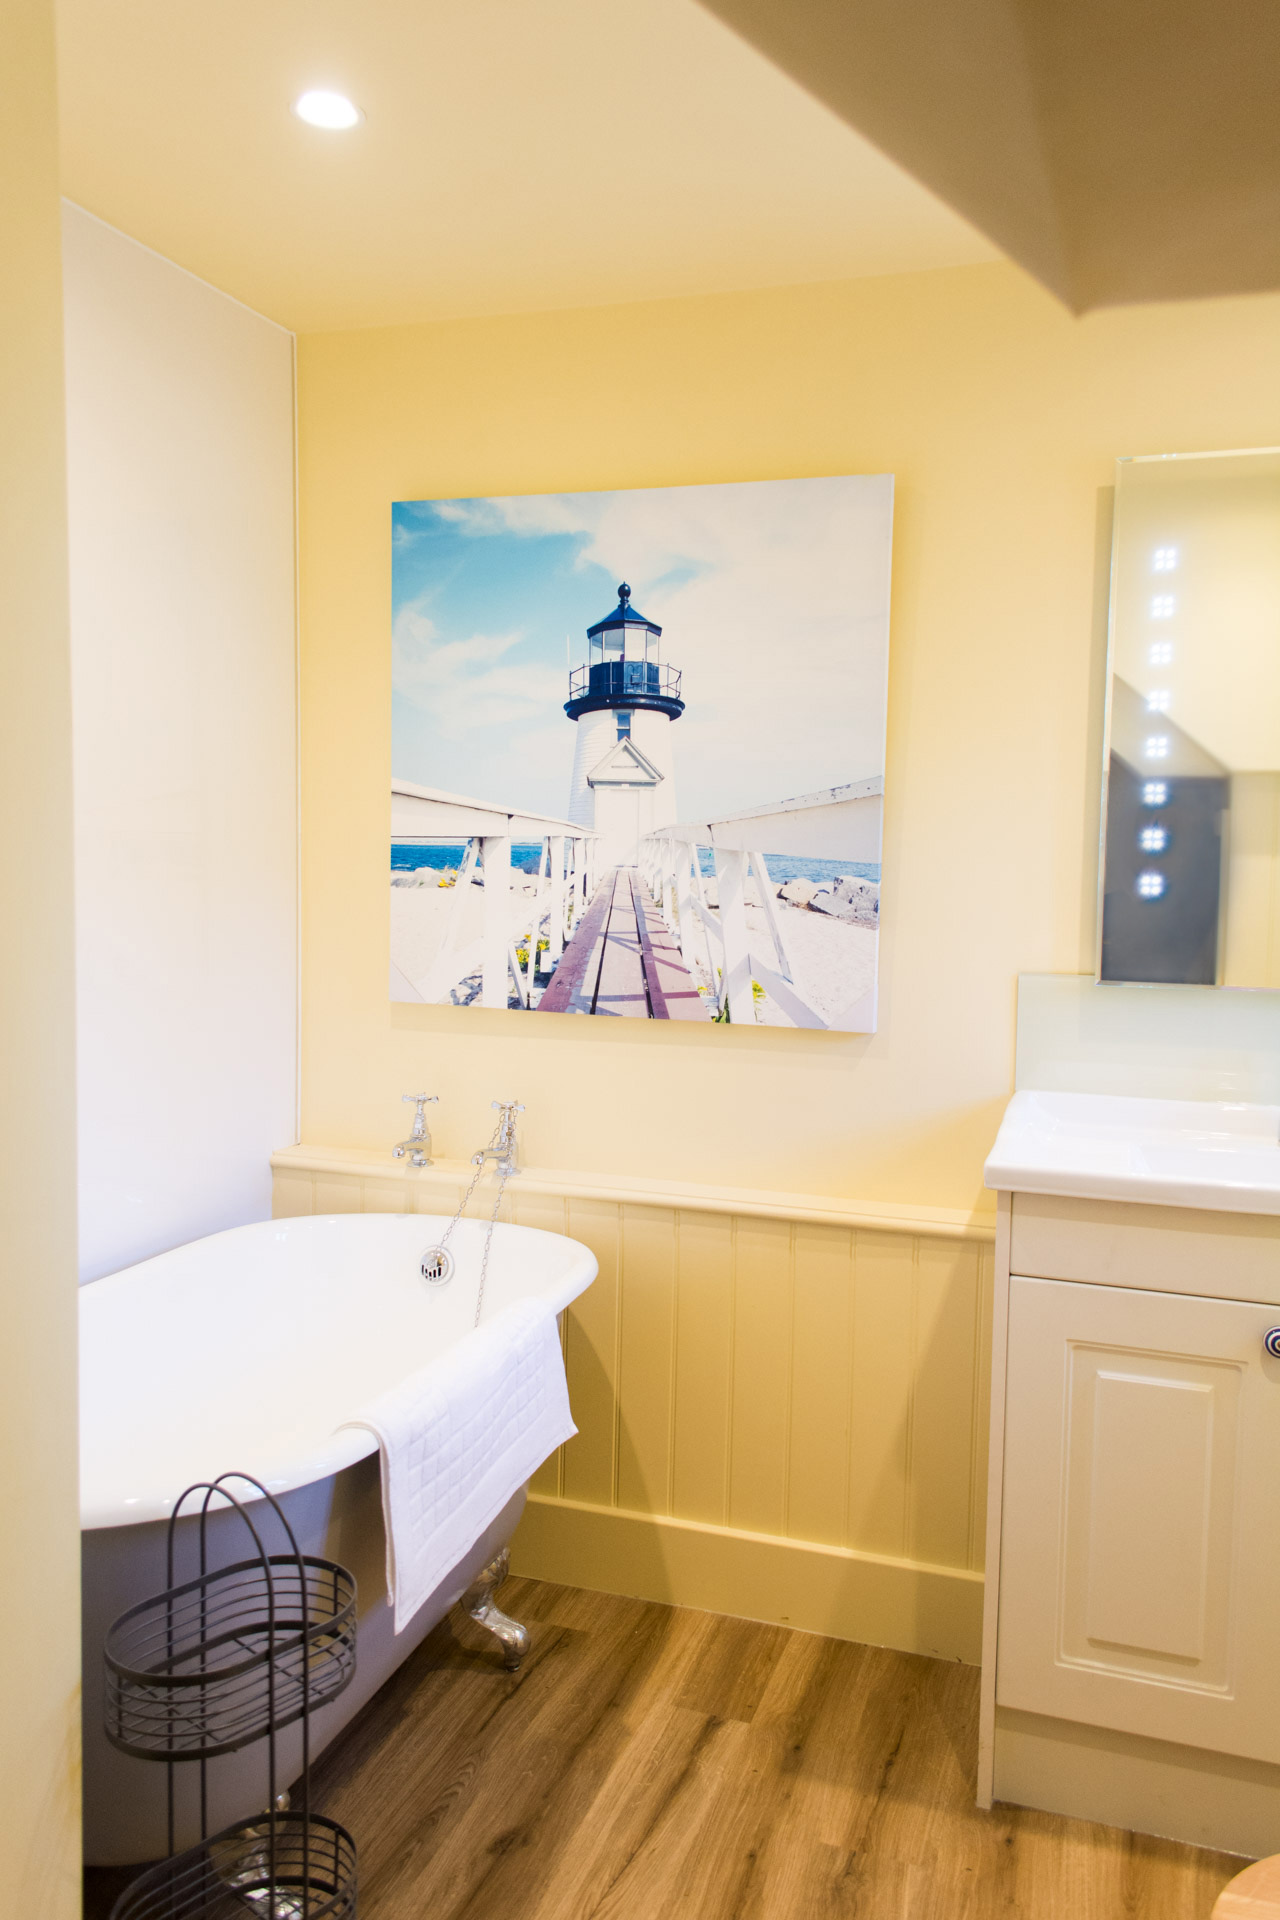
405	858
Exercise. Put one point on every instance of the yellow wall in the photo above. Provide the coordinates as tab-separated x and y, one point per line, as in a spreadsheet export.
39	1508
1000	417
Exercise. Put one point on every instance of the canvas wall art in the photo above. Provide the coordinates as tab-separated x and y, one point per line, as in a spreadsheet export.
638	751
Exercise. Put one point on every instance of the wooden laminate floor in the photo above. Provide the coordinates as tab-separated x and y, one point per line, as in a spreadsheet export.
650	1761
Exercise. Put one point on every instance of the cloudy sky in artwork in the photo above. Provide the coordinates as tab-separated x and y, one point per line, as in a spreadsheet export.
773	597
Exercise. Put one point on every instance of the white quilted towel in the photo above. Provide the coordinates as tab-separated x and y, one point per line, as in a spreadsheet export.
458	1438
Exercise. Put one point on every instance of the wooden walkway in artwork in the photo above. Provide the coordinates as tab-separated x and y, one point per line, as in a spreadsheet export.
623	961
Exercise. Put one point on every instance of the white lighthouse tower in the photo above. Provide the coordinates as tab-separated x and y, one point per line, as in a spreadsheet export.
624	702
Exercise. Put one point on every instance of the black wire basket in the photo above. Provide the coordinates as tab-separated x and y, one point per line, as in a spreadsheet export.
210	1665
207	1667
281	1867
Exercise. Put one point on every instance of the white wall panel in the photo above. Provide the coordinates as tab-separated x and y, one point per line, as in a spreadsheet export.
181	501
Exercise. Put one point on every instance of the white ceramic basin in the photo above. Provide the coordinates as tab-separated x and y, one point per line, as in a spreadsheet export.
1180	1153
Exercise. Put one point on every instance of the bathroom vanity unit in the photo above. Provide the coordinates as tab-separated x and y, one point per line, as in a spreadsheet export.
1131	1656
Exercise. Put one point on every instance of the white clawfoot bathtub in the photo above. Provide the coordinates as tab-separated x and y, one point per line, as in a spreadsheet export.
247	1351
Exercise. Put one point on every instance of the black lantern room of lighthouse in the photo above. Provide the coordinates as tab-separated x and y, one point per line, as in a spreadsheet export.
623	669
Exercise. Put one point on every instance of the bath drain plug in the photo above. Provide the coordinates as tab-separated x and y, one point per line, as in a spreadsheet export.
437	1266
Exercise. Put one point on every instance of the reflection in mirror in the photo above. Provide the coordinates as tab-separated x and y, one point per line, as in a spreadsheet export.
1191	802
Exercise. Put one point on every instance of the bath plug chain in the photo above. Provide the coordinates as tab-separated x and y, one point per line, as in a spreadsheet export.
437	1264
437	1261
503	1173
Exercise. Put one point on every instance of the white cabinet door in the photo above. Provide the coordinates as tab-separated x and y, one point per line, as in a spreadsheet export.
1140	1550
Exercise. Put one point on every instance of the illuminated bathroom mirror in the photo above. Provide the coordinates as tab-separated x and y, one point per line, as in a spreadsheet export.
1190	887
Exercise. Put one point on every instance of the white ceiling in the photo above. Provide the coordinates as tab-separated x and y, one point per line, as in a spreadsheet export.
516	155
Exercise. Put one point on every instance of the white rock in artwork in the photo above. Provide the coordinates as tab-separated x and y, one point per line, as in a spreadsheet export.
849	898
798	892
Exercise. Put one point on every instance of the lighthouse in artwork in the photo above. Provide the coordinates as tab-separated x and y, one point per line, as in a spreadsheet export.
624	703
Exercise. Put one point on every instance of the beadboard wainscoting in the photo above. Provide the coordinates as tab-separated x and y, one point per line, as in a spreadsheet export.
781	1400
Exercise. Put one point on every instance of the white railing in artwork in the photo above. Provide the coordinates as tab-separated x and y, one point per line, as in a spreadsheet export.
838	823
566	880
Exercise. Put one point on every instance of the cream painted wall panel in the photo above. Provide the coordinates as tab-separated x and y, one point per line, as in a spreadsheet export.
291	1196
39	1507
704	1367
760	1426
846	1406
949	1349
850	1411
555	1465
883	1381
591	1356
382	1196
180	470
646	1358
546	1212
338	1196
658	1403
821	1386
438	1201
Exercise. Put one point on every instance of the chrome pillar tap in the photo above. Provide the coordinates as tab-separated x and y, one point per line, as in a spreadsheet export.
502	1147
418	1145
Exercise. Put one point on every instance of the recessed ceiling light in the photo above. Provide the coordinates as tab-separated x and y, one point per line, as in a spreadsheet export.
320	108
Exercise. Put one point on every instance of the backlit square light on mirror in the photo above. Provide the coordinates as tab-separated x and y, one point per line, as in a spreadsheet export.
1193	722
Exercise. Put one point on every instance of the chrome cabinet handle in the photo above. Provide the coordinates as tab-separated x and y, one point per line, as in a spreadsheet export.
1271	1341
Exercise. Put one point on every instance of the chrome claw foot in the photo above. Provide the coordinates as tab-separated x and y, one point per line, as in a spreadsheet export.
478	1602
